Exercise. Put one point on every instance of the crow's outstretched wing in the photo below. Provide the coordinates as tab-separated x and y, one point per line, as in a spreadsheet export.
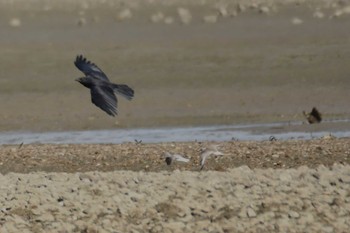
89	68
104	98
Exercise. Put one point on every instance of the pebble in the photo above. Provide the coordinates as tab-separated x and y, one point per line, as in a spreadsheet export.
81	22
47	8
328	229
328	137
84	5
318	14
13	150
233	13
293	214
15	22
337	14
210	19
136	180
157	17
251	213
297	21
346	10
169	20
285	177
222	10
124	14
264	10
241	7
185	15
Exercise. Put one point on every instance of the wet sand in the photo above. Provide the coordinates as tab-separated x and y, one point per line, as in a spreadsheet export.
264	62
252	67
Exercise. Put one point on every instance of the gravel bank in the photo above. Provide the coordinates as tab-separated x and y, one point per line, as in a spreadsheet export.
239	200
149	157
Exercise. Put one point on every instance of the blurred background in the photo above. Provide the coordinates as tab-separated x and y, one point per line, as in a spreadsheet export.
190	63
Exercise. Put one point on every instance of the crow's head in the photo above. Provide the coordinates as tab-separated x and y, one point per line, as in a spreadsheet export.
87	82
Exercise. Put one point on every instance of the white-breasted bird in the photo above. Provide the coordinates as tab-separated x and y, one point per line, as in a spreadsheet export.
169	158
206	152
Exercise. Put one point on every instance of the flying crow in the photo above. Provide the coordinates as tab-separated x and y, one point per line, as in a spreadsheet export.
102	90
314	116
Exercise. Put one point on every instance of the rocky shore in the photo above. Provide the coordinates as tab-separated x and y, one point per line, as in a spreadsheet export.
272	186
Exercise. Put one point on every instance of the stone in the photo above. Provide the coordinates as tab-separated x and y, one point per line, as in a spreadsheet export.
223	11
251	213
125	14
81	22
264	10
169	20
157	17
293	214
285	177
15	22
328	229
210	19
318	14
185	15
297	21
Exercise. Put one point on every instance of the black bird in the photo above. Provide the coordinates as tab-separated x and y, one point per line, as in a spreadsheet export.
102	90
314	116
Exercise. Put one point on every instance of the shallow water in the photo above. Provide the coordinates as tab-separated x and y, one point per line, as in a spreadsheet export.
252	132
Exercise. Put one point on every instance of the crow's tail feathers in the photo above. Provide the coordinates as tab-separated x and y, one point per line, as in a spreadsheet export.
124	90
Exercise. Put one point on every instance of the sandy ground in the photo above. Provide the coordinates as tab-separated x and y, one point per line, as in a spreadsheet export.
229	62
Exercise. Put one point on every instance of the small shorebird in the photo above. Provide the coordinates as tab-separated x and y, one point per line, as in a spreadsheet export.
169	158
314	116
206	152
